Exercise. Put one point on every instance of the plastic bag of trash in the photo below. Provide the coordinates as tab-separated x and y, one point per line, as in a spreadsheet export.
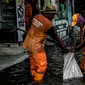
71	68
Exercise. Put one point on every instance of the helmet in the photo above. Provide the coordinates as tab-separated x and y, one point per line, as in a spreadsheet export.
77	19
50	8
74	19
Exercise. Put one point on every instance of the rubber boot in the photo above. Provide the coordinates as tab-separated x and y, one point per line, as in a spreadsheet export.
38	76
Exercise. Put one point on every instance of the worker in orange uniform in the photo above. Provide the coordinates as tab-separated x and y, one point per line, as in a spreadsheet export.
79	20
40	27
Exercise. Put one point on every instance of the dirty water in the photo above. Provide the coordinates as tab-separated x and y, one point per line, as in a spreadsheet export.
19	74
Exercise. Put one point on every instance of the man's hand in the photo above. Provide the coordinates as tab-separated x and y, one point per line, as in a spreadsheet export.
72	50
65	51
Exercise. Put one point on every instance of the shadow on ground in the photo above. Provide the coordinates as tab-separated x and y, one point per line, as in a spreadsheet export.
19	74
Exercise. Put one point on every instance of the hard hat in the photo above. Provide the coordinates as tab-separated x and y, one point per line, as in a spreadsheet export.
77	19
74	19
50	8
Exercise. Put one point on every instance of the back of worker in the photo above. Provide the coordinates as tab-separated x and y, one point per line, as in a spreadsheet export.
37	33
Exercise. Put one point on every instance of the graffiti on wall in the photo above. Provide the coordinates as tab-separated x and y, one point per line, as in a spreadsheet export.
20	18
20	13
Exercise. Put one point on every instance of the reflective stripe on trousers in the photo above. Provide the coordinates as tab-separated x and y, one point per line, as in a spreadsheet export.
38	65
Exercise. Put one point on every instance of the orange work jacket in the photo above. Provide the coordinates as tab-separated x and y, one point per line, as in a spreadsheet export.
37	34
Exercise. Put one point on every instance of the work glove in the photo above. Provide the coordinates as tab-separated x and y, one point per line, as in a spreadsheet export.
65	51
72	50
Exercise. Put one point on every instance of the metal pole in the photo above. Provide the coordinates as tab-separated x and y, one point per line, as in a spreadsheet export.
69	12
73	6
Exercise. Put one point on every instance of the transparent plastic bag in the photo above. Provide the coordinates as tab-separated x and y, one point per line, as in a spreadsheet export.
71	68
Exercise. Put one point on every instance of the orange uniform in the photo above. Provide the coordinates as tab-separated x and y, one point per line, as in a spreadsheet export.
37	34
34	43
39	28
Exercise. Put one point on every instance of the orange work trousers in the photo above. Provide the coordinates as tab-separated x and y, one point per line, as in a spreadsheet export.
83	64
38	65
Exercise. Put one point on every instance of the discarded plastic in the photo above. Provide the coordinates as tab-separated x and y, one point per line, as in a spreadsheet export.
71	68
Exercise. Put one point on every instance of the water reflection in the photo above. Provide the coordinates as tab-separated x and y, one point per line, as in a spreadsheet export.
74	81
19	75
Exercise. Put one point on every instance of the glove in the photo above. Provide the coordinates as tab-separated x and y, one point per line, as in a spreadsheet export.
72	50
65	51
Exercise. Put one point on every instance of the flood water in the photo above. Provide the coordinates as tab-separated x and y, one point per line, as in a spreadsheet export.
19	74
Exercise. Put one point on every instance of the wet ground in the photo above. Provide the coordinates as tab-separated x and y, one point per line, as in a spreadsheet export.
19	74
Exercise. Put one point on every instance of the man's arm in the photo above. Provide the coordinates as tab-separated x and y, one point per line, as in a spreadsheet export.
53	34
80	46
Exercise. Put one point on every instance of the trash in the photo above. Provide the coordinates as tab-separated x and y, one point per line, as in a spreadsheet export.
71	68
